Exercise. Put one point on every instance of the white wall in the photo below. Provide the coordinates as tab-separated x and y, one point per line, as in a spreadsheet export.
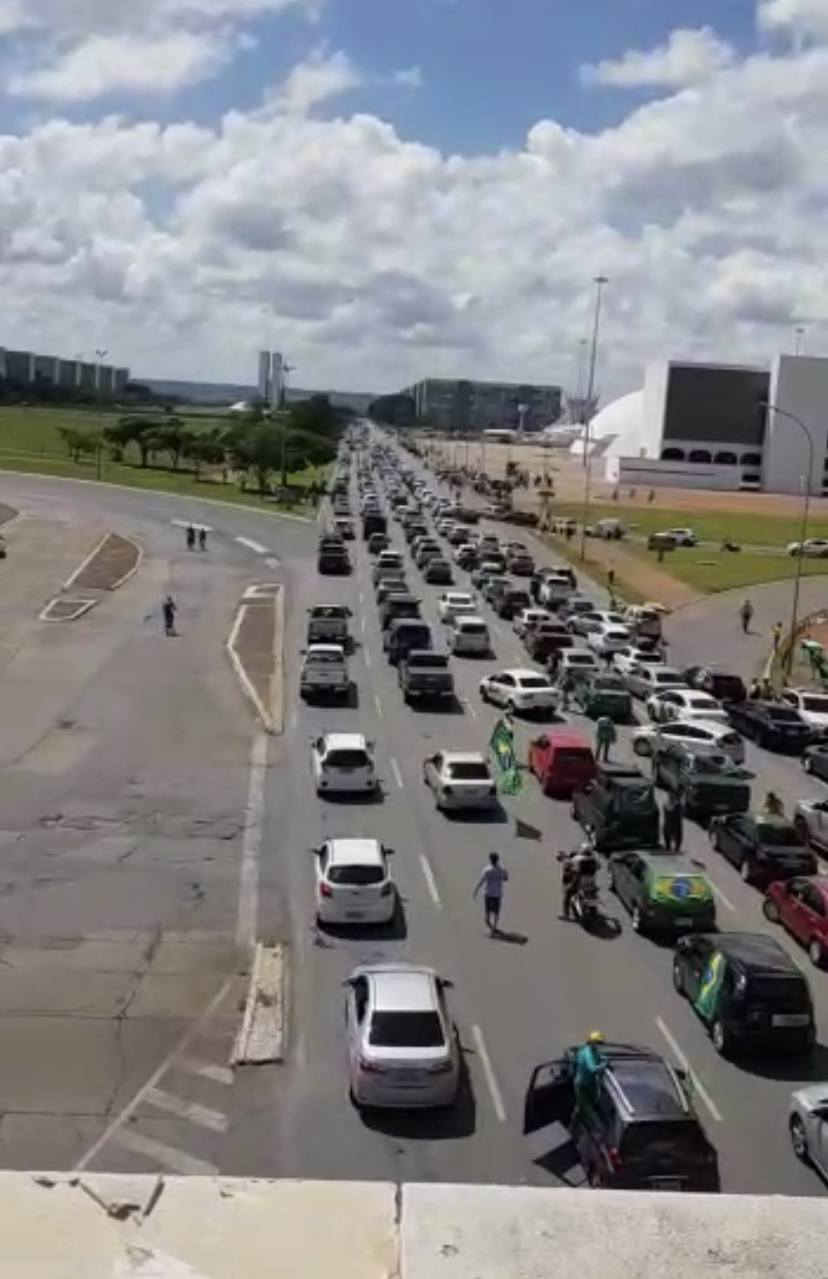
655	402
648	472
799	384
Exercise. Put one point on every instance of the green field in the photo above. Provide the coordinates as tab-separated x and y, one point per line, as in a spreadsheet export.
748	528
711	571
30	441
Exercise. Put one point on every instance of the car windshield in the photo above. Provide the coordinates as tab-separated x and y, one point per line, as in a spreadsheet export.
473	628
533	682
469	771
784	714
581	659
635	798
789	992
356	875
609	684
814	703
703	704
344	758
710	764
666	677
432	660
326	657
777	834
406	1030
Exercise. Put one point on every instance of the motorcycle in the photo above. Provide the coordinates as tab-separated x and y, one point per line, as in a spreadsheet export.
586	905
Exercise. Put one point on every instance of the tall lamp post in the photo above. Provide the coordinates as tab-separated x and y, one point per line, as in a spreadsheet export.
600	281
100	355
806	509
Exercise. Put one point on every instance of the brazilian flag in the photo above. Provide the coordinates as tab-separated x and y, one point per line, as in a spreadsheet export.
707	1000
502	750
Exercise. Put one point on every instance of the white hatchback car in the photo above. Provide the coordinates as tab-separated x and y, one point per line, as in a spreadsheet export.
609	639
353	882
577	659
693	733
403	1049
625	658
528	618
456	604
460	780
342	764
685	704
520	691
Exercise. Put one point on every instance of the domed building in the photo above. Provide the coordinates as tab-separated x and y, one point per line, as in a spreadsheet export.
620	430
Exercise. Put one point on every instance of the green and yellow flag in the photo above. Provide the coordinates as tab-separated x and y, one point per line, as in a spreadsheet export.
502	749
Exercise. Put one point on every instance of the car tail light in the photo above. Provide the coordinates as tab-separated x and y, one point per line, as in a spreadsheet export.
325	890
440	1068
370	1067
387	889
614	1158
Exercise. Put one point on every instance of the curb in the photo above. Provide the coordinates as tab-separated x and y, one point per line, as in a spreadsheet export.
262	1035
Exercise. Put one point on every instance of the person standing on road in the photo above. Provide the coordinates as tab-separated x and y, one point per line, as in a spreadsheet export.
606	736
776	634
202	539
168	608
491	881
672	822
746	615
191	537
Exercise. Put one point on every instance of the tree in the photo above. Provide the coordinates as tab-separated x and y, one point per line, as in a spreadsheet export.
170	437
79	443
204	450
256	448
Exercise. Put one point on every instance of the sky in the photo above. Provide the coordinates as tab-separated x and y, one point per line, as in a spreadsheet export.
385	190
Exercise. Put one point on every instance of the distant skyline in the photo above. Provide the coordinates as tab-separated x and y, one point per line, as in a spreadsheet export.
387	192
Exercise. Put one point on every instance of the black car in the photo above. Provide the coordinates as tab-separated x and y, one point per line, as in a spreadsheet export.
762	848
815	760
547	638
468	557
508	603
771	725
398	605
711	784
748	991
618	809
722	685
334	561
438	572
643	1134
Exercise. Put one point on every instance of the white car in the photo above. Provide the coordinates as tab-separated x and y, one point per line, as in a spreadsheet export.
813	707
717	735
685	704
645	681
353	882
519	691
682	536
403	1047
624	659
342	764
468	635
813	547
609	639
460	780
528	618
577	659
456	604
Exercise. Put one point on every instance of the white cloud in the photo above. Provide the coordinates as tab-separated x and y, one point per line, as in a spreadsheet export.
384	260
410	78
123	64
322	77
687	58
800	17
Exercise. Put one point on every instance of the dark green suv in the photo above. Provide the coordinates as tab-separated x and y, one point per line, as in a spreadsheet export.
712	785
618	809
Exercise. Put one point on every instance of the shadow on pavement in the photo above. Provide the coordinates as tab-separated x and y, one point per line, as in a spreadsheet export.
794	1070
484	817
514	938
395	930
562	1163
429	1125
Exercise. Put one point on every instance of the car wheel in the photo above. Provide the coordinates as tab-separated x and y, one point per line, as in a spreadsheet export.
770	910
678	979
641	747
484	694
816	953
719	1038
799	1139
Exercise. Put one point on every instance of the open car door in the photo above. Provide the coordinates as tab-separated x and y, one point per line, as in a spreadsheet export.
550	1096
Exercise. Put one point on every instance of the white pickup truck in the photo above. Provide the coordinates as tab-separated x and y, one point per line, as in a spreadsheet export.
324	673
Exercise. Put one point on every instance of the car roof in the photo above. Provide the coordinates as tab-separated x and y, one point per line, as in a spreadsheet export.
325	648
400	987
645	1084
355	852
568	739
756	951
464	757
345	741
470	617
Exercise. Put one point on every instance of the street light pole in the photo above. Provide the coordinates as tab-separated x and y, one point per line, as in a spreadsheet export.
100	355
803	531
600	281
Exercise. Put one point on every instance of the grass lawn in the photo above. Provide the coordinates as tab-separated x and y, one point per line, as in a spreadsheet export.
712	571
30	442
748	528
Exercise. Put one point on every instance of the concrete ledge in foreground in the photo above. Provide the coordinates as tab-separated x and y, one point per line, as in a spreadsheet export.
99	1227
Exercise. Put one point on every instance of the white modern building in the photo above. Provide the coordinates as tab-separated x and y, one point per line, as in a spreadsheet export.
709	427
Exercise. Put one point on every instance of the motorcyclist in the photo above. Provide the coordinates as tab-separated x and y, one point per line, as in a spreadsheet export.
580	874
773	806
589	1063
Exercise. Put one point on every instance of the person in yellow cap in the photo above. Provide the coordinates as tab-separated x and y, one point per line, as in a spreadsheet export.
590	1064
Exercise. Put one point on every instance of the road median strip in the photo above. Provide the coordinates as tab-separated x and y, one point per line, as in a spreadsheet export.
255	647
108	566
261	1037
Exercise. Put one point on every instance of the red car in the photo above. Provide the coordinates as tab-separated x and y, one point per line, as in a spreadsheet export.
801	906
562	762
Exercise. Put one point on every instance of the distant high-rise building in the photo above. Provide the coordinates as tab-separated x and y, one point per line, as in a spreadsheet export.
454	404
120	380
265	381
70	375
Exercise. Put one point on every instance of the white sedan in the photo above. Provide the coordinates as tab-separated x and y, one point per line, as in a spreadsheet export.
455	604
609	639
519	691
623	659
460	780
528	618
685	704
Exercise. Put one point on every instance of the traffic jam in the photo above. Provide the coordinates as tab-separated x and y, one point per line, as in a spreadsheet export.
649	760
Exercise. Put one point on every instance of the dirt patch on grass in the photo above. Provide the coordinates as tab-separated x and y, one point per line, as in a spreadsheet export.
112	562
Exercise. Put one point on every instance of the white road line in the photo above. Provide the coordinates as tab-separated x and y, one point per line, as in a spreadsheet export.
362	624
678	1053
206	1070
293	718
366	653
192	1111
467	704
431	882
67	585
251	545
247	918
378	705
395	769
167	1156
116	1124
488	1071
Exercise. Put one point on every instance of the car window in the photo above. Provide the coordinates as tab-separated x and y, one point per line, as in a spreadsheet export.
356	876
342	758
681	1139
814	900
469	771
406	1030
534	682
816	703
361	997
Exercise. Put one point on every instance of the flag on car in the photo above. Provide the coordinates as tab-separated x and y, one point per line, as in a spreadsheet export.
502	750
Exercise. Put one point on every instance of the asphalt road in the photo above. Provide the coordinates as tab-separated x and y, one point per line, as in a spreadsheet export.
517	1001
